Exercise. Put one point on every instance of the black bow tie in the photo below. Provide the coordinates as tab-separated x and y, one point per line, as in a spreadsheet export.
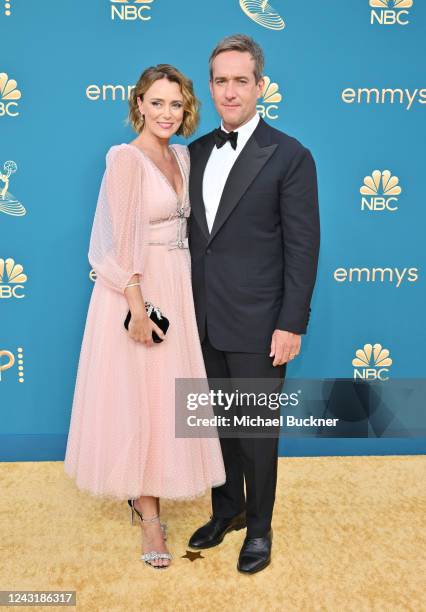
221	137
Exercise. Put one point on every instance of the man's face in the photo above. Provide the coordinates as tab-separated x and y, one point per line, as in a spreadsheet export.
234	89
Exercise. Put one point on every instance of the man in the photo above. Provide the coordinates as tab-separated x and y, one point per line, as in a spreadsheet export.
254	241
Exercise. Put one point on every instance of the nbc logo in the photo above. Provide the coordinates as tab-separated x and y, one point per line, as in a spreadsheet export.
372	362
8	360
263	13
9	93
379	191
131	10
11	279
270	98
390	12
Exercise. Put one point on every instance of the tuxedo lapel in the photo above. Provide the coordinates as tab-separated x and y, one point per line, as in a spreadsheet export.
245	169
198	166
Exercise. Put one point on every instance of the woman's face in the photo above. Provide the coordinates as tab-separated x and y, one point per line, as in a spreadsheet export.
162	107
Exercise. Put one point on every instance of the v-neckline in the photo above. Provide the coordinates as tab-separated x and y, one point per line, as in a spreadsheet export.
179	198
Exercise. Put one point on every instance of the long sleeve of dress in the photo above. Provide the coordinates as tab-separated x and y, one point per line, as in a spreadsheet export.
117	250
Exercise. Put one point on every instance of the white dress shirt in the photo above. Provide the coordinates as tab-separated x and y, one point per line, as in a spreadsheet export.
219	166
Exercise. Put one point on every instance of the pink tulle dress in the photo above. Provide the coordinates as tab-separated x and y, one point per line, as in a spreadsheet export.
121	441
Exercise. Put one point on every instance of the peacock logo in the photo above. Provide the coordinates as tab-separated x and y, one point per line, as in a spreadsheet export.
380	191
372	362
8	203
131	10
9	96
271	97
12	278
262	13
390	12
391	4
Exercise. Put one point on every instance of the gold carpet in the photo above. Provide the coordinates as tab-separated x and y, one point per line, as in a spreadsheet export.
349	535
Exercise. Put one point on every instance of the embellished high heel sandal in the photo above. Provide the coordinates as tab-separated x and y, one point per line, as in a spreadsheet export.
131	503
153	555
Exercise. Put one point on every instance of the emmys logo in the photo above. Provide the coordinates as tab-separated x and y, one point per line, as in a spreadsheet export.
7	7
262	13
131	10
394	276
8	360
108	92
8	203
390	12
270	98
9	93
386	95
381	189
11	279
372	363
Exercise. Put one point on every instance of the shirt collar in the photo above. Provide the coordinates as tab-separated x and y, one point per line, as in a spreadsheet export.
246	130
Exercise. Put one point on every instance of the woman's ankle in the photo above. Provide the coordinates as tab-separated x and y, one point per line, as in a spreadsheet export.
147	506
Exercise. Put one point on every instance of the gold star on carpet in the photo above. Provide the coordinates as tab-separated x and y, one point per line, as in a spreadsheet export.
192	555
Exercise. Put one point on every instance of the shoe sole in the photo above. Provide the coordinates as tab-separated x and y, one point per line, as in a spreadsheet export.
236	528
258	569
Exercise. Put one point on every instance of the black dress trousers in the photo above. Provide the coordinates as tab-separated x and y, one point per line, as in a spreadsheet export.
250	459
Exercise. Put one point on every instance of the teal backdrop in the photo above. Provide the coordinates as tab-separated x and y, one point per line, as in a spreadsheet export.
345	78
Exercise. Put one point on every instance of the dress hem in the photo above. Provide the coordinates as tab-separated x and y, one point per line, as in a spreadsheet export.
115	497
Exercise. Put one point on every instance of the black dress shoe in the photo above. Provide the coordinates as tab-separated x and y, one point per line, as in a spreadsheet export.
255	554
212	533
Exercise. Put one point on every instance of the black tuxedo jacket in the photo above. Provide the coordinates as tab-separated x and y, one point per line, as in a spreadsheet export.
255	272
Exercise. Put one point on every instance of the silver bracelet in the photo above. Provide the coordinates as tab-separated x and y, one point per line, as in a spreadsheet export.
132	285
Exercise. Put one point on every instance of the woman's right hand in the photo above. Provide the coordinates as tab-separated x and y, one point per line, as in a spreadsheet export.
141	328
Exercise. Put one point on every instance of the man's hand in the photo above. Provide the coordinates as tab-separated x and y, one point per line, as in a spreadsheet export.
285	346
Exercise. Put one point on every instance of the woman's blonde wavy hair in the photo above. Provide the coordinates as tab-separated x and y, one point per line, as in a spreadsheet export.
191	104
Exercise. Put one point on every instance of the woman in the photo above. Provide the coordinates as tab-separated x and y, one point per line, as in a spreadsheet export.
122	442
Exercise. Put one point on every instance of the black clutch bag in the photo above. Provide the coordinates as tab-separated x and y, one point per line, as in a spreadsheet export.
155	315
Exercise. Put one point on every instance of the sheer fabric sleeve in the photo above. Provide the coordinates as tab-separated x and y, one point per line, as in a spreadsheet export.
117	247
183	151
